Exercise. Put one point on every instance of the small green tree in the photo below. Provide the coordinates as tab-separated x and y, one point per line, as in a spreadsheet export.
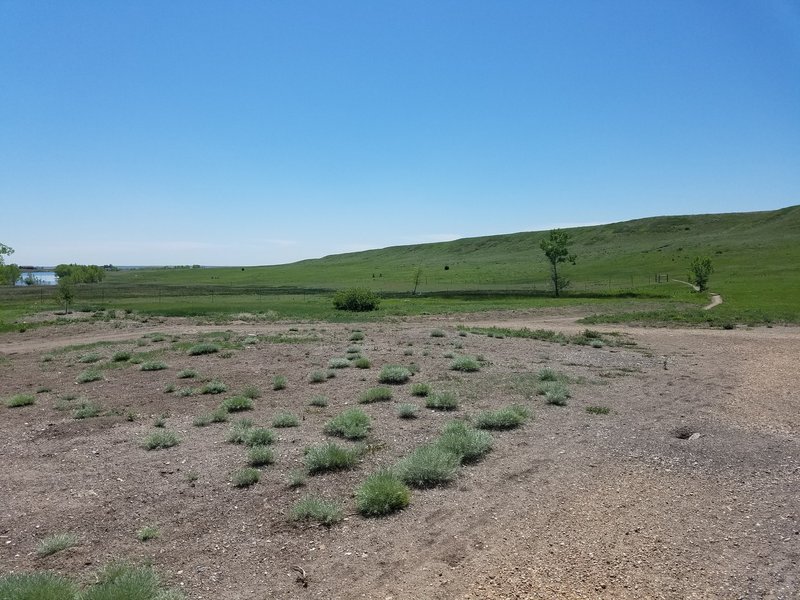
700	271
65	293
417	277
556	248
8	273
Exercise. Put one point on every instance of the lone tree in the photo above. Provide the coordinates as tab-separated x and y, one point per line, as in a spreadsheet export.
65	293
555	248
8	273
700	269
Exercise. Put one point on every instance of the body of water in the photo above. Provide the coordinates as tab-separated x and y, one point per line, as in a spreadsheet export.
39	277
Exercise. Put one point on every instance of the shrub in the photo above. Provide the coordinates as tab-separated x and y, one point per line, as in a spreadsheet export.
317	376
161	439
169	388
297	478
120	581
278	382
442	401
199	349
547	374
394	374
353	349
202	420
356	300
36	586
338	363
420	389
437	333
352	424
259	456
160	421
554	392
239	431
311	508
155	365
187	374
245	477
466	442
376	394
466	364
428	466
185	391
598	410
92	357
251	392
86	410
318	401
285	419
448	355
407	411
56	543
236	404
259	436
214	387
505	418
356	336
20	400
148	532
88	376
362	363
382	493
330	457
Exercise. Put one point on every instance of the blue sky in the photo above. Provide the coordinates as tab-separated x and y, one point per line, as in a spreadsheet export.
261	132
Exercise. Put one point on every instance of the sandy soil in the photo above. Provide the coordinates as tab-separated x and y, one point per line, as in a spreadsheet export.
572	505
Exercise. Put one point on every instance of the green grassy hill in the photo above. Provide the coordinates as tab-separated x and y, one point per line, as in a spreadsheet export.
756	256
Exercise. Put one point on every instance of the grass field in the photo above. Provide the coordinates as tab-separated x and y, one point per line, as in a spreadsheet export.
756	258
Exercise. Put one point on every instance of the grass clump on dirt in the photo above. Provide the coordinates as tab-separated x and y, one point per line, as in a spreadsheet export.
465	442
148	532
245	477
330	457
259	436
20	400
317	376
214	387
428	466
394	374
381	494
86	410
92	357
161	439
407	411
352	424
155	365
598	410
251	391
37	586
55	543
554	392
312	508
338	363
285	419
237	404
279	383
258	456
465	364
362	363
120	581
356	336
320	401
239	431
420	390
121	356
199	349
376	394
442	401
437	333
547	374
509	417
297	478
187	374
88	376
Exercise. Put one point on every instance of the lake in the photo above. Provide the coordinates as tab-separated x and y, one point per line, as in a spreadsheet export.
42	277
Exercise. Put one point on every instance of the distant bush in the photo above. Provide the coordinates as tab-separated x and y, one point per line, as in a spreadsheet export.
362	363
437	333
356	300
153	366
20	400
394	374
356	336
466	364
92	357
376	394
160	439
338	363
420	389
554	392
199	349
236	404
186	374
317	376
251	391
598	410
37	586
214	387
89	375
547	374
86	410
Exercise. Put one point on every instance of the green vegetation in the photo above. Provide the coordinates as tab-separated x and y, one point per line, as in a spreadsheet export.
92	357
199	349
37	586
236	404
20	400
330	457
463	441
407	411
285	419
338	363
510	417
442	401
312	508
701	270
437	333
394	374
554	392
279	382
317	376
240	431
381	494
376	394
251	391
420	389
258	456
356	300
86	410
56	543
598	410
88	376
362	363
161	439
214	387
428	466
259	436
153	366
245	477
320	401
352	424
467	364
148	532
556	248
356	336
187	374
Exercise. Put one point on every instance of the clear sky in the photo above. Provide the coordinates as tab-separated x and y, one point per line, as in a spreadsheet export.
236	132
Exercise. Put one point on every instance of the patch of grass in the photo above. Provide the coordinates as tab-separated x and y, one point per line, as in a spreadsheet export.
187	374
509	417
92	357
214	387
169	388
466	364
236	404
312	508
466	442
598	410
381	494
330	457
88	376
200	349
86	410
407	411
354	349
320	401
356	336
437	333
554	392
338	363
37	586
185	392
547	374
394	374
161	439
285	419
202	420
20	400
251	392
428	466
121	356
362	363
258	456
120	581
297	478
317	376
442	401
246	477
259	436
240	431
43	389
376	394
56	543
352	424
279	383
154	365
420	390
148	532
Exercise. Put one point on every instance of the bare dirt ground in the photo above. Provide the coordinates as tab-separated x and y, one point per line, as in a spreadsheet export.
572	505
